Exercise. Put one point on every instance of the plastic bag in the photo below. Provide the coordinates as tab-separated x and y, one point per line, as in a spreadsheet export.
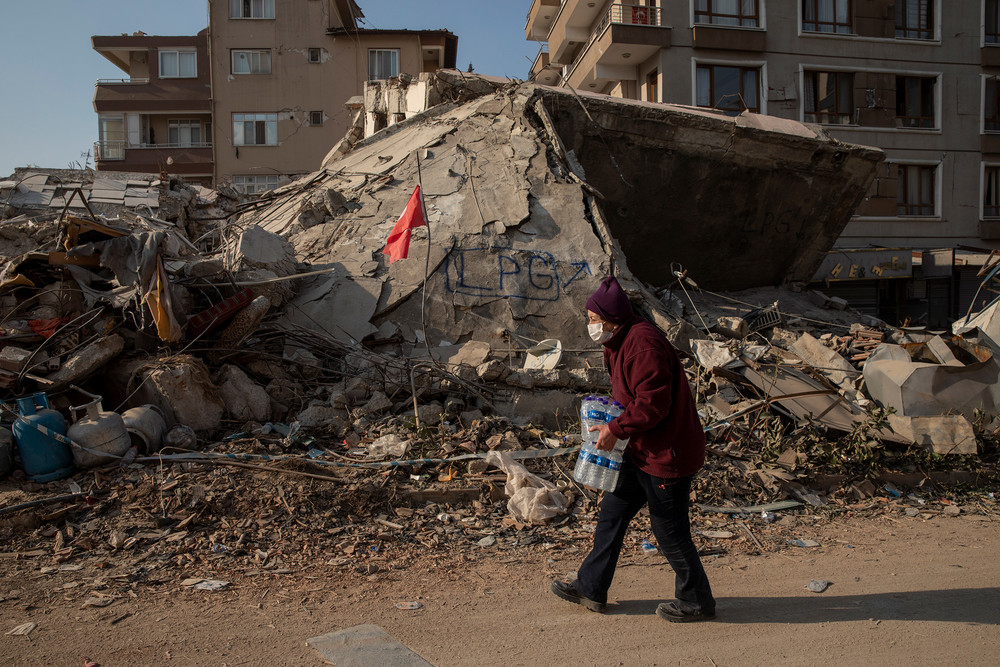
533	500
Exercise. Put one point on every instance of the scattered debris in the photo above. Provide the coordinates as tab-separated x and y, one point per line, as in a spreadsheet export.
282	395
818	585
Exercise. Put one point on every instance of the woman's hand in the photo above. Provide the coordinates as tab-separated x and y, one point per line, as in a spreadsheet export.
606	439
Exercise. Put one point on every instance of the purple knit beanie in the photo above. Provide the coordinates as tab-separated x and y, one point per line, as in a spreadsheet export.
610	302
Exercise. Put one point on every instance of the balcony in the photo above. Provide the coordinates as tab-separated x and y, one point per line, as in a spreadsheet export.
624	37
122	82
119	155
540	17
543	71
141	94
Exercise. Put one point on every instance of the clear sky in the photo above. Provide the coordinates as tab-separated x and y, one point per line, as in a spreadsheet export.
48	67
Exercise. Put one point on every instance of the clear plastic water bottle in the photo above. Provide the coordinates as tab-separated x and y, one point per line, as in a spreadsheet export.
593	412
608	467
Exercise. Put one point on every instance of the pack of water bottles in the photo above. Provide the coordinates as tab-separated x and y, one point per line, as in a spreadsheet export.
596	468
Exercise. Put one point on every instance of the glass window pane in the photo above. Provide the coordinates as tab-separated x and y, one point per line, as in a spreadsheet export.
704	89
269	9
168	63
235	7
188	63
240	63
750	88
272	133
238	133
727	83
257	10
265	62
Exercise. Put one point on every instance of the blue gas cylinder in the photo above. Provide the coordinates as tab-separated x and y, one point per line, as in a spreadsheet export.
43	457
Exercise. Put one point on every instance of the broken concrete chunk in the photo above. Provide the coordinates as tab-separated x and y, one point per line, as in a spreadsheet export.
732	327
260	249
183	390
322	416
491	370
944	434
682	334
244	399
87	361
837	369
430	414
378	404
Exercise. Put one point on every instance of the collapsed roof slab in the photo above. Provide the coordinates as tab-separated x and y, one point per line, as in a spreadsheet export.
740	202
522	185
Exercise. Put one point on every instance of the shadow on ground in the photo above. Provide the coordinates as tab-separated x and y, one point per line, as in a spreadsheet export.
958	605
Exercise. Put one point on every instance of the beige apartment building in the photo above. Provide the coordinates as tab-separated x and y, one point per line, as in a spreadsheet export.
270	81
917	78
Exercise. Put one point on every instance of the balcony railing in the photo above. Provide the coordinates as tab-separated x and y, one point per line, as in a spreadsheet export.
122	82
109	150
622	15
115	150
628	15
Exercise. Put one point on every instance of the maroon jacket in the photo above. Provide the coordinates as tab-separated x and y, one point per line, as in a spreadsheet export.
660	419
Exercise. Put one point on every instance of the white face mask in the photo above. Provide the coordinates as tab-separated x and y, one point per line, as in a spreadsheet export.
597	332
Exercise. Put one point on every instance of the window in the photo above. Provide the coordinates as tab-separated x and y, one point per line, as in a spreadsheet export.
914	19
992	22
255	129
915	189
827	16
251	9
730	88
252	62
315	55
743	13
178	64
914	101
991	105
252	185
383	63
183	132
829	97
991	192
315	118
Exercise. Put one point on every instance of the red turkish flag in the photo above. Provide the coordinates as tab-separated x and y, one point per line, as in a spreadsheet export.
397	246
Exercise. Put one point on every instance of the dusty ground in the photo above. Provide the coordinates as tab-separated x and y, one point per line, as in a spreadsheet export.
905	590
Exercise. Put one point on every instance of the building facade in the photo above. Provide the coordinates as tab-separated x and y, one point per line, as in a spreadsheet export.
160	117
272	80
917	78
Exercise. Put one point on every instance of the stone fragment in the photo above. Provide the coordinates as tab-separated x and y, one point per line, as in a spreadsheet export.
491	370
244	399
377	404
430	414
88	360
321	416
732	327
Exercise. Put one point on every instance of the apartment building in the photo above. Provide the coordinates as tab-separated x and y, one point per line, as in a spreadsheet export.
159	118
270	81
917	78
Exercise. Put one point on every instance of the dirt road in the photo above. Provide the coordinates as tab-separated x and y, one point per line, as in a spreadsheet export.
905	590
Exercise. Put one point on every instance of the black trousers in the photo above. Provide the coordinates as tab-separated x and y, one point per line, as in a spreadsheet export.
668	513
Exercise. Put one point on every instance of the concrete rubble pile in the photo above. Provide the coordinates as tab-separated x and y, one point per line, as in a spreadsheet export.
436	397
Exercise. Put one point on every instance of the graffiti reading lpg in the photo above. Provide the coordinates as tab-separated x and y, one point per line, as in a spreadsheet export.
508	272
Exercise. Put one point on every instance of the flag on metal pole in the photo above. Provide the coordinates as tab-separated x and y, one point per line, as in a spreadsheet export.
397	246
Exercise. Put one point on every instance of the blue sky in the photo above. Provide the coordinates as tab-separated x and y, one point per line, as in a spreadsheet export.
49	68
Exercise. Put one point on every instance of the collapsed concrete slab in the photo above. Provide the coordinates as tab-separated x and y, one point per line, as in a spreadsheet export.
924	389
534	194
